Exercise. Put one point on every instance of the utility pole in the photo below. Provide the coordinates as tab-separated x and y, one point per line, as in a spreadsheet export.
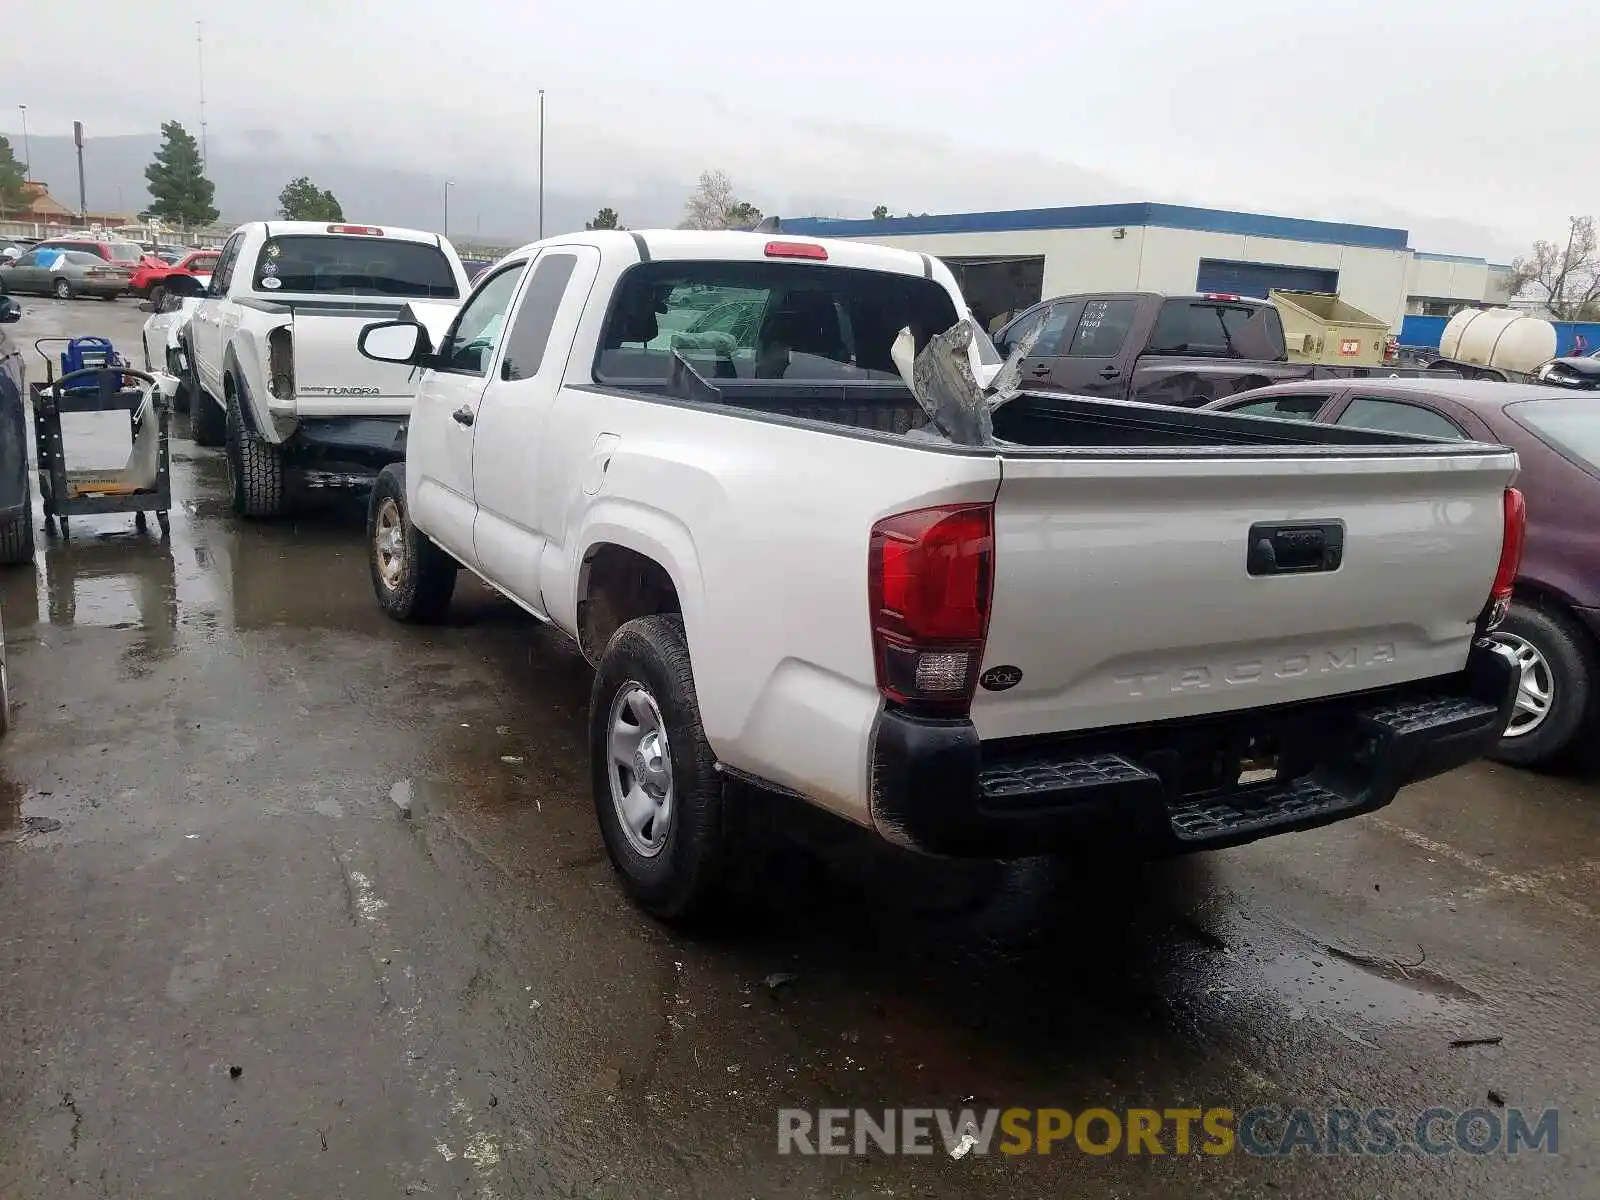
448	184
200	56
541	164
27	147
83	192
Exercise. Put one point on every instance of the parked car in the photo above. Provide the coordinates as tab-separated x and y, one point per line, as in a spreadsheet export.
274	374
1195	640
113	250
1554	622
163	340
1187	350
148	281
64	274
1578	373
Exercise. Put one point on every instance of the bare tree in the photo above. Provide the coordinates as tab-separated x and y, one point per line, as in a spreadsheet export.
1566	278
713	205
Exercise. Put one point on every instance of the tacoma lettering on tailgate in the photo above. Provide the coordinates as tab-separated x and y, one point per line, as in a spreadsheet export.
1254	670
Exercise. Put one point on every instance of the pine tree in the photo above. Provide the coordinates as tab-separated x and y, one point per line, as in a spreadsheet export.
13	196
179	189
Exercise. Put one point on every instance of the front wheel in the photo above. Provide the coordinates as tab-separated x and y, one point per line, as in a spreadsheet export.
412	578
657	793
1554	692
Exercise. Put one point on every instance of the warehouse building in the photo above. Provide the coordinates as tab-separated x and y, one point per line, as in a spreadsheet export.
1008	260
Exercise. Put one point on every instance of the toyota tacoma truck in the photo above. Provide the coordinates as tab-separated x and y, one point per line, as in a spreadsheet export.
1099	628
270	352
1183	350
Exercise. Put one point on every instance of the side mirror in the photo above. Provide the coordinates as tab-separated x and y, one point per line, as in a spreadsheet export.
10	311
394	342
182	285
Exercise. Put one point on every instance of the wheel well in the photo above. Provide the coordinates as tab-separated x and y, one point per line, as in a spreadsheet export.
621	585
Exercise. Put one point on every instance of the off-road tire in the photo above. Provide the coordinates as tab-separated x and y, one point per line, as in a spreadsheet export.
255	467
420	594
691	870
1571	659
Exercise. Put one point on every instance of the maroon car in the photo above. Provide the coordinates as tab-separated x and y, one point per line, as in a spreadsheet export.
1554	623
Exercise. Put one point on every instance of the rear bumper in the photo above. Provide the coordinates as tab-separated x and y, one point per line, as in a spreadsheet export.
346	453
1172	787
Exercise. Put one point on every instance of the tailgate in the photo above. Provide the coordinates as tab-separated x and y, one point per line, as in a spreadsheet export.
327	365
1122	591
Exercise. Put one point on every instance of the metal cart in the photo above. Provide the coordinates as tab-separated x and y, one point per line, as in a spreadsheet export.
100	387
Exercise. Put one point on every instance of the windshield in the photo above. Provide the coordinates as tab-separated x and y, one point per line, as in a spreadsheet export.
765	320
1208	329
330	265
1570	424
124	252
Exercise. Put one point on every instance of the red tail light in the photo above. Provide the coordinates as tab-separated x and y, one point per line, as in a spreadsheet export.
929	575
1505	576
363	230
797	250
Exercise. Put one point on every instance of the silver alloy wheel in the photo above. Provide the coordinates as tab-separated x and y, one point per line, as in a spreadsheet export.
1535	686
389	542
639	768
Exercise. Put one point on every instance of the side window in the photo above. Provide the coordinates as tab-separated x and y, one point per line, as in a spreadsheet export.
1292	408
223	276
1102	329
530	332
1395	416
472	340
30	259
1019	329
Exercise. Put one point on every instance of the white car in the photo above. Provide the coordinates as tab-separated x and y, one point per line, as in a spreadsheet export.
1101	628
271	359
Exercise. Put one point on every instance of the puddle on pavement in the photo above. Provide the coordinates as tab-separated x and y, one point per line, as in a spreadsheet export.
1334	982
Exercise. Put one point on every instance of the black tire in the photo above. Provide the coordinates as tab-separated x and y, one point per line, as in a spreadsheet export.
16	536
208	423
157	295
1569	663
419	591
255	467
61	289
680	879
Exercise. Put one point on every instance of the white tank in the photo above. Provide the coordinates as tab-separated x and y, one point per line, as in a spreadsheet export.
1499	337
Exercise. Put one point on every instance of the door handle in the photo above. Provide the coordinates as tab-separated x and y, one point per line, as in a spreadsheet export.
1110	373
462	415
1041	370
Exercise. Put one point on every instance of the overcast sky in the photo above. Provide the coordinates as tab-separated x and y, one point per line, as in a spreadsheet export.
1471	124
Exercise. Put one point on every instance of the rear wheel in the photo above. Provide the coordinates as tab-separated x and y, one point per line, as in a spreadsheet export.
1554	691
207	421
157	295
412	578
657	793
61	289
255	467
16	536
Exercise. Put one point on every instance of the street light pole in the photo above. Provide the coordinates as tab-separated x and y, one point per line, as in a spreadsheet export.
541	164
27	147
448	184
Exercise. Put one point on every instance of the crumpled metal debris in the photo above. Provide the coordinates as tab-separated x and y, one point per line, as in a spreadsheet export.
947	389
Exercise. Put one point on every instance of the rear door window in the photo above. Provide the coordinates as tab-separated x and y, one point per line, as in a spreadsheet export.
1216	329
226	261
1293	408
354	265
1396	416
530	331
765	321
1102	329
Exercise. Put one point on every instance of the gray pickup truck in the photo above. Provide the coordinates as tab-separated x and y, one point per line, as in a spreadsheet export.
1183	350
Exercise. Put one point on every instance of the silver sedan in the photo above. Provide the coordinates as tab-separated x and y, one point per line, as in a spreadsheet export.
65	274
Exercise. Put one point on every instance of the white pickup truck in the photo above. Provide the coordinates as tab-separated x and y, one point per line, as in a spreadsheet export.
1116	629
270	354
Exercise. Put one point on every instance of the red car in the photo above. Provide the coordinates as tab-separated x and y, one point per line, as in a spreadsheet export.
147	280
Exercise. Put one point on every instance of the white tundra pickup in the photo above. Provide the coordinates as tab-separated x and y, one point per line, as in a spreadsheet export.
271	358
1116	628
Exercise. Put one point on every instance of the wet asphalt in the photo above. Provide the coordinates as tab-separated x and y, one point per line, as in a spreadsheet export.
327	914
